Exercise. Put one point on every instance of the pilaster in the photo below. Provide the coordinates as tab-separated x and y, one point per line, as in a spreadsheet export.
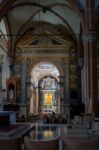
66	88
23	82
66	80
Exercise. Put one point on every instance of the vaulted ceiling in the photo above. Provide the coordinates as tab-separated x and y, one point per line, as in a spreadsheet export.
21	16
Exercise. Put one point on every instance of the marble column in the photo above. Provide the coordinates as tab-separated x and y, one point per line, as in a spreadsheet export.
80	62
90	84
66	82
66	89
37	99
23	83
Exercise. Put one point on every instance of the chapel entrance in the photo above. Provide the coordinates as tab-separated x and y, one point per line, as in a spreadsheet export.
45	89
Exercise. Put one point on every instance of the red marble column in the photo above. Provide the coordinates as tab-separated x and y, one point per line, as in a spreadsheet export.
85	71
93	77
90	83
90	15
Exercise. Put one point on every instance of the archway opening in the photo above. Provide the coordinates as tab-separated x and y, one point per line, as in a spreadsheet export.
45	95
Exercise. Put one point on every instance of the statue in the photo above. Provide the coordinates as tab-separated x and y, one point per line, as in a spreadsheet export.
11	89
11	94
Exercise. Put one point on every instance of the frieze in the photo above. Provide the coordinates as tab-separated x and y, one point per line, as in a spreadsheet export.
63	60
44	51
48	56
45	46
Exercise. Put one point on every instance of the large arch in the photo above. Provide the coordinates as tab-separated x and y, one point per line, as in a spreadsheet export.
41	74
49	60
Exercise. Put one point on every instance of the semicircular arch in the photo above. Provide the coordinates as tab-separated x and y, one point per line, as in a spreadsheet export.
56	64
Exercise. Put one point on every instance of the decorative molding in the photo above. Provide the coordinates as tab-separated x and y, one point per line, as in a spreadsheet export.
44	46
89	37
44	50
44	53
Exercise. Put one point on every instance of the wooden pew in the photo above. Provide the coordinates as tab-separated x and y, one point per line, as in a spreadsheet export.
30	144
11	143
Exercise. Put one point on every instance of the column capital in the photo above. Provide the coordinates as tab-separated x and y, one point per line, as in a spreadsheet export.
24	59
89	36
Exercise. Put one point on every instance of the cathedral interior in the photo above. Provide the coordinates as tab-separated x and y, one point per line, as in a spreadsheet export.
49	73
